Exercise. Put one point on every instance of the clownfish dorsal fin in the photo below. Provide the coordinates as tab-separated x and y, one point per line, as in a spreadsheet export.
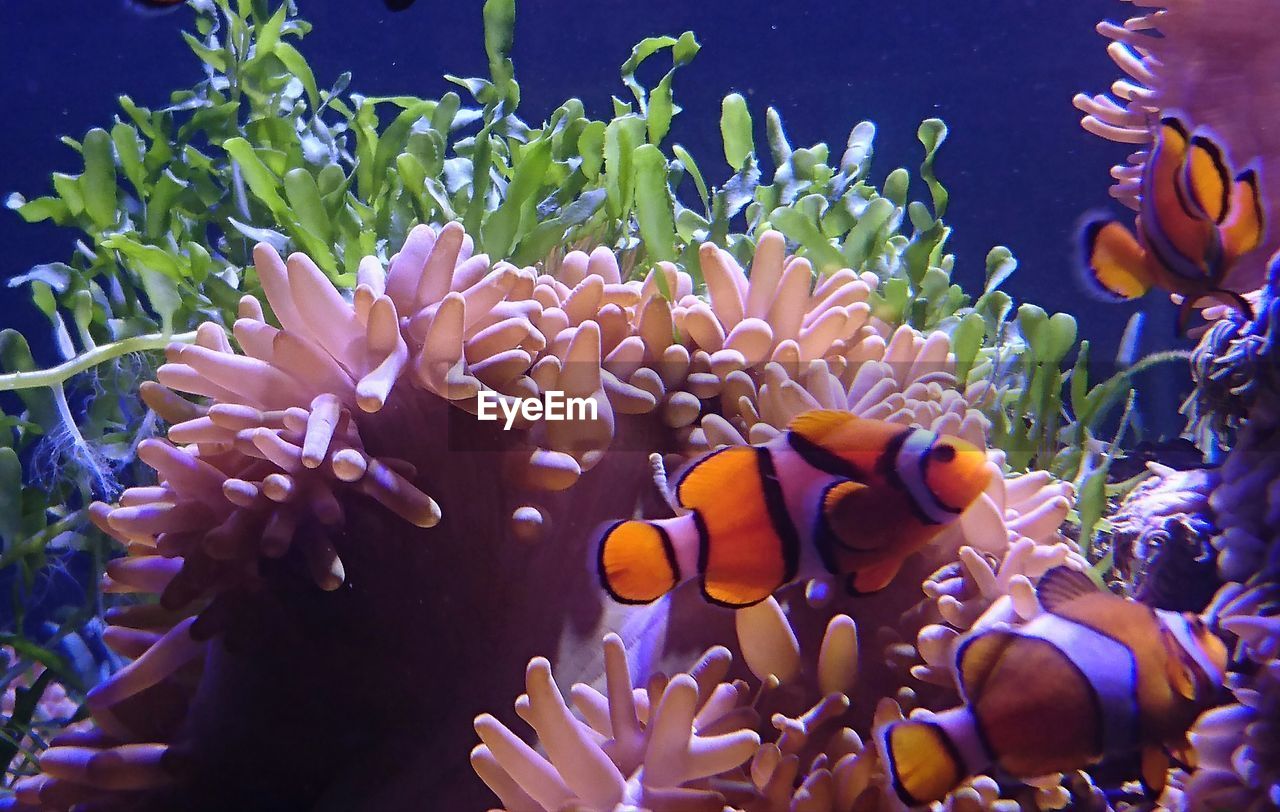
1204	183
705	479
1061	585
817	424
1155	769
977	657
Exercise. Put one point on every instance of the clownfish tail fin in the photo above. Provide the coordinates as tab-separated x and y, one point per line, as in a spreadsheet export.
922	761
1112	261
637	560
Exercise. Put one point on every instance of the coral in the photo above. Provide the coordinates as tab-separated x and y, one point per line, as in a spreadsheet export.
1160	536
1247	502
1212	63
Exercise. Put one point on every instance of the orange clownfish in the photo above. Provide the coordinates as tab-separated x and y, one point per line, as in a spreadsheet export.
1194	221
834	493
1094	675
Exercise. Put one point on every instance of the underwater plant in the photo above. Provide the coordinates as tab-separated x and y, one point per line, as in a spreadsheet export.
333	293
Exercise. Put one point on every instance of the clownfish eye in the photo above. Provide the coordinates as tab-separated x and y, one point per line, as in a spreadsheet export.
943	452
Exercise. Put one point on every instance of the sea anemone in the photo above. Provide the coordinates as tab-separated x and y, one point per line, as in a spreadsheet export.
682	742
1236	756
805	653
1237	746
1234	369
311	462
1213	63
653	742
331	480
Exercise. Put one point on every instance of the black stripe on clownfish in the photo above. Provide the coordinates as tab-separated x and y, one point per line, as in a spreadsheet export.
824	460
834	493
778	517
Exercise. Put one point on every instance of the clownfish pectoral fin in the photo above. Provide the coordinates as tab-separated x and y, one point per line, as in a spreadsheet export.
637	562
1062	585
1243	227
1228	297
921	761
1155	769
874	578
1204	182
1114	263
843	502
816	424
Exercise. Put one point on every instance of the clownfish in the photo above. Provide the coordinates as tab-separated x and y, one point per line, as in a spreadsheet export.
1094	675
1194	221
834	493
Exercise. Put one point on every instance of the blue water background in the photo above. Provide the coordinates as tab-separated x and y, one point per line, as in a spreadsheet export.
1001	73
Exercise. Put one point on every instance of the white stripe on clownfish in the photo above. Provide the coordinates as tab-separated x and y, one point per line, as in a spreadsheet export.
803	487
1180	627
909	466
1107	665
